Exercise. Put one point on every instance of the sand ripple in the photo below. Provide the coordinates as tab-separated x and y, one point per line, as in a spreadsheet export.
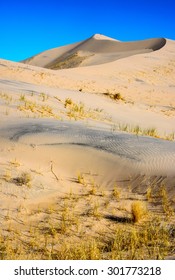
147	155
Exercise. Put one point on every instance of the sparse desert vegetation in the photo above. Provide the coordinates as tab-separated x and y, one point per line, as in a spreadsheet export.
79	111
23	179
114	95
90	226
74	182
71	61
152	132
138	210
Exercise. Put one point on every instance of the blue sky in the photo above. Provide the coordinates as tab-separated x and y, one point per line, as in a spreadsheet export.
30	26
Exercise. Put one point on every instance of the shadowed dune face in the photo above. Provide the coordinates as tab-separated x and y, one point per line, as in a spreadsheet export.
98	49
145	155
158	44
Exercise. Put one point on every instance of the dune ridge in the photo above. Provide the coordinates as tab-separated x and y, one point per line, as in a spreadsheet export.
95	50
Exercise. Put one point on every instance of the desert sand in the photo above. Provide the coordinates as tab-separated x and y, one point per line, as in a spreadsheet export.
86	131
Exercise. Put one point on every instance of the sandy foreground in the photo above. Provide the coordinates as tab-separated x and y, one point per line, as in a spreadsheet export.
81	147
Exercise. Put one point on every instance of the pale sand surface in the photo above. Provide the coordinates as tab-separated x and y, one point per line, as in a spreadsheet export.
97	49
55	142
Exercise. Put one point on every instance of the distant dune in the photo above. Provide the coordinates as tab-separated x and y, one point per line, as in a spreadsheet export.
95	50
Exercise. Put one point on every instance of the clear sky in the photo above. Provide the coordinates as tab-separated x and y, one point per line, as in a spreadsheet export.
28	27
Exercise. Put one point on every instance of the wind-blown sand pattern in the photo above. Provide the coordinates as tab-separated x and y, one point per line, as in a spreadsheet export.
155	157
79	146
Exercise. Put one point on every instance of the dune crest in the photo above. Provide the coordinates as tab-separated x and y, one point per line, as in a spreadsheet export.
102	37
98	49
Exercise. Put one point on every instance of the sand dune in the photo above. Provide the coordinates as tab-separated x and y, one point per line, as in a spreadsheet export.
146	79
79	146
143	155
95	50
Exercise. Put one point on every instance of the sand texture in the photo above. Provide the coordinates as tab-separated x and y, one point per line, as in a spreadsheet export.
86	133
98	49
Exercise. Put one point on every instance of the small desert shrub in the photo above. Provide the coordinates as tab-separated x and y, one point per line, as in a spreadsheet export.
114	96
116	192
67	102
163	194
75	110
138	210
22	97
166	205
170	137
6	97
149	194
15	163
150	132
43	96
23	179
124	127
117	96
79	111
96	212
80	179
93	190
7	176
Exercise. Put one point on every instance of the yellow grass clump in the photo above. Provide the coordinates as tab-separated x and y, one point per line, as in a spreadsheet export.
138	210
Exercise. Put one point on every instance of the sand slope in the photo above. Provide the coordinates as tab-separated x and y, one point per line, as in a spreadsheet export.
78	146
143	80
95	50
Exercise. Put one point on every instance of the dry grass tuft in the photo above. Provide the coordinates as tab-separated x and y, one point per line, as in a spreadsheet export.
138	210
116	192
24	179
